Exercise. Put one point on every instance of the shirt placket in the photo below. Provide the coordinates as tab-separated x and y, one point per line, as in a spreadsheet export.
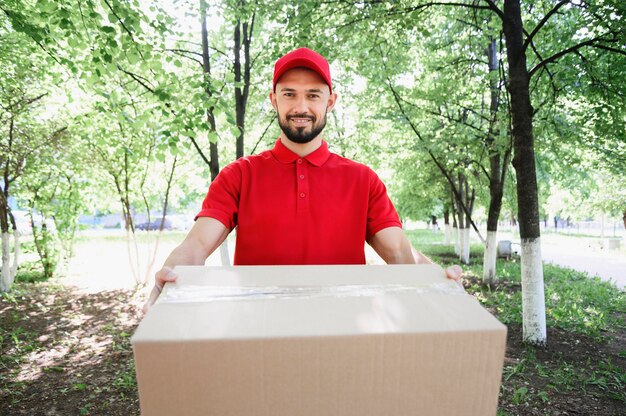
302	177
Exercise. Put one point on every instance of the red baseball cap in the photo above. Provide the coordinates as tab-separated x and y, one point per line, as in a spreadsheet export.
302	58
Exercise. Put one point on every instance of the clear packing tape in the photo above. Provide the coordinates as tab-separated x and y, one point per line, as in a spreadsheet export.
201	293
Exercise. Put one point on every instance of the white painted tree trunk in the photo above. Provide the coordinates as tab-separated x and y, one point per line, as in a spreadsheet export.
457	241
224	253
533	295
465	246
16	255
5	280
448	231
489	259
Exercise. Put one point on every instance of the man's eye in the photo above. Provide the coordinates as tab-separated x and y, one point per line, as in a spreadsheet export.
314	96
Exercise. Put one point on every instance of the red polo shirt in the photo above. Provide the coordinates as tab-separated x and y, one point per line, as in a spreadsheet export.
318	209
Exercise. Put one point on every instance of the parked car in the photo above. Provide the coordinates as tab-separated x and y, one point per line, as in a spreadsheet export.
155	225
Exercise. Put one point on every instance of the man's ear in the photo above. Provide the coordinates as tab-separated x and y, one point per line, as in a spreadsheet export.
332	100
273	100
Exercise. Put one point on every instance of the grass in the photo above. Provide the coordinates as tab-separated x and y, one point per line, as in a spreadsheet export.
574	301
143	237
30	272
582	307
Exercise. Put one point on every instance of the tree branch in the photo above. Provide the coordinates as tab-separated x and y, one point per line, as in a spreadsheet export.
590	42
121	22
263	135
140	80
543	21
495	8
432	156
182	52
608	48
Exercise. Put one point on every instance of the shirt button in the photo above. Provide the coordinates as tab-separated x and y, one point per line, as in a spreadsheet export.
299	161
302	195
301	176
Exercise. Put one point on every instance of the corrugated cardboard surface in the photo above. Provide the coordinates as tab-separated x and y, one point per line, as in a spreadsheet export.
408	353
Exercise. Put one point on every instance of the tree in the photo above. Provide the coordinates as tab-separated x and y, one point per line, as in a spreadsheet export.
586	26
26	134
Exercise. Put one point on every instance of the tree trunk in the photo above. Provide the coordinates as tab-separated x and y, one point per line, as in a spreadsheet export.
446	224
455	226
16	257
6	280
533	297
464	217
168	188
131	240
214	164
489	258
16	247
497	172
465	247
241	94
239	106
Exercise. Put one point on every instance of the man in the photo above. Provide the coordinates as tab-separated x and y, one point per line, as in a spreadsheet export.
297	203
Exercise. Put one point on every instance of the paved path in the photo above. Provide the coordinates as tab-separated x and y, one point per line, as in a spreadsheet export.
608	266
104	265
583	254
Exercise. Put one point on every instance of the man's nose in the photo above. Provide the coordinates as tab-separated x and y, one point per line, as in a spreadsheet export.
300	105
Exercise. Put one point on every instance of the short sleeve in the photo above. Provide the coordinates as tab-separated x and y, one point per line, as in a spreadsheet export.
380	211
222	199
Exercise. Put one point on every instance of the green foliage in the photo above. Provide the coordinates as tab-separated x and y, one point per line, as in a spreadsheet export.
123	91
30	272
47	245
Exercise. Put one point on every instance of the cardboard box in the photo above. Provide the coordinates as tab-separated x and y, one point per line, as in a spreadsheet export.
318	340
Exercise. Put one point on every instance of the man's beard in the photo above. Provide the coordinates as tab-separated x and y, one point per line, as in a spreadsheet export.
299	134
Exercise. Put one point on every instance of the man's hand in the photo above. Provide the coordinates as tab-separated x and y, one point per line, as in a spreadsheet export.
204	237
160	278
454	273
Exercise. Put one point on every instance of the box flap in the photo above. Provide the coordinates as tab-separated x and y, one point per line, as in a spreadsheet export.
368	309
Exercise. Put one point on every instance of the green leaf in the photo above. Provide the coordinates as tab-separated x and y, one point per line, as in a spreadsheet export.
133	57
156	65
47	6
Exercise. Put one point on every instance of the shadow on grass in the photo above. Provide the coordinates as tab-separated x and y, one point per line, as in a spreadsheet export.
64	353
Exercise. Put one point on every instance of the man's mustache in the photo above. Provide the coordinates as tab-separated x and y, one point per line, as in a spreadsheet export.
312	118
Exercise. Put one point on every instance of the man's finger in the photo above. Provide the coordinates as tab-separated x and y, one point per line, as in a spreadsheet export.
454	273
163	276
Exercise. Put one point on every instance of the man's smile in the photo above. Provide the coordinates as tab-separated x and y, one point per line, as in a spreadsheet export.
300	121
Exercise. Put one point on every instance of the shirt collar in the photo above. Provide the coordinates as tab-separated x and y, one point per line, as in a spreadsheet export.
284	155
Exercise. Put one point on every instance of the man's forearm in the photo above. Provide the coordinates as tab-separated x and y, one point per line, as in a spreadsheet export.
393	246
185	255
203	239
420	258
